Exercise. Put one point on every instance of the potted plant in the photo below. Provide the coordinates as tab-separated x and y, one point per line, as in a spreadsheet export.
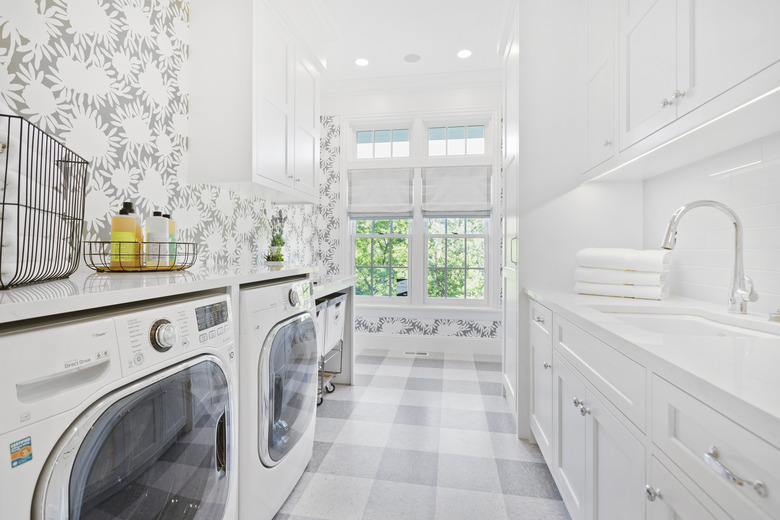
274	256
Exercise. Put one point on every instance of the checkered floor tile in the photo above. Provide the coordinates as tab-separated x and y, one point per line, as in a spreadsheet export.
422	438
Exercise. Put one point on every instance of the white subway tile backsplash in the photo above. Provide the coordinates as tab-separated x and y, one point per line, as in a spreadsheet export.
703	260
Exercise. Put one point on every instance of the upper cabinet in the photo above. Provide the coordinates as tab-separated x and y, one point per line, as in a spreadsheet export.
254	102
600	81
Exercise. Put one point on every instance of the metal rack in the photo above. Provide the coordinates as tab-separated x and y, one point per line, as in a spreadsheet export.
42	192
132	257
325	377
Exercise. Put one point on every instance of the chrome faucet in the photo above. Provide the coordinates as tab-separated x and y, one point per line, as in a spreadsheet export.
741	290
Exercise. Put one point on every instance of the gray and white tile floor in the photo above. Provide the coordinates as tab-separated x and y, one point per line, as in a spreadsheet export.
422	438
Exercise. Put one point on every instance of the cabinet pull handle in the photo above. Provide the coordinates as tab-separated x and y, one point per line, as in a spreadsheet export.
546	365
607	142
677	94
665	103
539	319
513	250
584	411
577	402
711	458
651	494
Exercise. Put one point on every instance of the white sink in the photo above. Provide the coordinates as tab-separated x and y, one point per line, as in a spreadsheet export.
693	323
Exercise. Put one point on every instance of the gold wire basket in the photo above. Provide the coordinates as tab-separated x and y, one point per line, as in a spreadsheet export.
139	257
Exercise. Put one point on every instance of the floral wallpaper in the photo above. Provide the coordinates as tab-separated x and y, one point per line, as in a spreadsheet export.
109	78
434	327
329	210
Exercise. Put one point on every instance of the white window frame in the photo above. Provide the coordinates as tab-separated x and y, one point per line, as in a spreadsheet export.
418	159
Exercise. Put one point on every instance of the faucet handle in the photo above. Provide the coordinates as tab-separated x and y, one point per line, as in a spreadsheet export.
751	295
775	316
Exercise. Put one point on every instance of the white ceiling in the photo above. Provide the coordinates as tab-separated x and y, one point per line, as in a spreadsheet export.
383	32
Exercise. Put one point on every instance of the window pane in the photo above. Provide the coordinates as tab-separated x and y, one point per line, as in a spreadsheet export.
436	254
475	251
362	251
365	137
437	145
475	283
401	227
455	226
400	278
475	132
381	252
475	147
436	226
363	282
456	140
382	136
456	281
400	143
437	283
363	227
381	282
400	252
365	145
475	225
382	227
456	256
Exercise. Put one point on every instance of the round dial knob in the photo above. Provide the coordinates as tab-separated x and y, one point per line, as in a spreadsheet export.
293	297
163	335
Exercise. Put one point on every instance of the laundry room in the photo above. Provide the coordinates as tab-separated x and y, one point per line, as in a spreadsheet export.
268	259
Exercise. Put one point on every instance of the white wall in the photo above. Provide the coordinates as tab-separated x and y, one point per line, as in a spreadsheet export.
702	260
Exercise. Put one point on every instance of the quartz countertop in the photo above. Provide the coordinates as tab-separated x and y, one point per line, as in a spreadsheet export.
325	287
87	289
740	372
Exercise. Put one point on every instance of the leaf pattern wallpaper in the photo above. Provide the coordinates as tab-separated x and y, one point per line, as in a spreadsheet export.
109	78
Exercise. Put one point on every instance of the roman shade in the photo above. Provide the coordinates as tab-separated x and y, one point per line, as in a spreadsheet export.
380	193
462	191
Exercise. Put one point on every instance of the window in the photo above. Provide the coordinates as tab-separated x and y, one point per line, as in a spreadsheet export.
382	257
382	144
456	257
456	140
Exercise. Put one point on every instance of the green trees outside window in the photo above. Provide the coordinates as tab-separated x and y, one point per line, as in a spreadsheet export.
382	257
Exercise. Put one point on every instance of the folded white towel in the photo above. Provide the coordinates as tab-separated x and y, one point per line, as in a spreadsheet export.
614	276
642	292
652	260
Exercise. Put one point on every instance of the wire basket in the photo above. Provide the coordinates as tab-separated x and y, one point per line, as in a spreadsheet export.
139	257
42	186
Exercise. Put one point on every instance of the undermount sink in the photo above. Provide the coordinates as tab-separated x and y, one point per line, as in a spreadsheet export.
690	324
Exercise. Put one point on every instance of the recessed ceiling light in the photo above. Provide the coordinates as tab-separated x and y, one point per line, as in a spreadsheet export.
412	58
361	62
465	53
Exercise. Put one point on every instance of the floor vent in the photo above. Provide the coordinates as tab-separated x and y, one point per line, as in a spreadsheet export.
416	353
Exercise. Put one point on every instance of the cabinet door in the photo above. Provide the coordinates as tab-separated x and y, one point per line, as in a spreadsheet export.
730	42
648	44
600	82
307	140
569	439
670	500
542	390
615	464
510	342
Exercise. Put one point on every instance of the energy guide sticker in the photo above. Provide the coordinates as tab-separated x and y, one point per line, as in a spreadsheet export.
21	452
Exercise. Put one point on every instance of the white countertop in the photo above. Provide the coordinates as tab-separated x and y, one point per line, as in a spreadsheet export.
87	289
328	287
741	373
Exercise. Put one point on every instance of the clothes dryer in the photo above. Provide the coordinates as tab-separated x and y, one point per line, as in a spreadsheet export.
278	382
123	415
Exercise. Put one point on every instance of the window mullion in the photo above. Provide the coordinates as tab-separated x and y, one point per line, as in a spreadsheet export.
418	249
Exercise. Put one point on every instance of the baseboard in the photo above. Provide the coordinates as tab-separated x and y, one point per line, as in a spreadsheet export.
408	342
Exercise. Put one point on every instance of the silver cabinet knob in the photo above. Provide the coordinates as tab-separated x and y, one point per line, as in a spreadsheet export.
547	365
584	411
539	319
607	142
677	94
665	103
651	494
577	402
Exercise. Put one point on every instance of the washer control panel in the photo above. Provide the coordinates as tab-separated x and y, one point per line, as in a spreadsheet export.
158	334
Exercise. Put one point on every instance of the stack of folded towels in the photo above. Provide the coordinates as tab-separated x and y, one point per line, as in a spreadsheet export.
624	273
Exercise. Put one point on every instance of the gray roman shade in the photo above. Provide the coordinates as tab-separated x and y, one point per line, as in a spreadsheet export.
380	193
462	191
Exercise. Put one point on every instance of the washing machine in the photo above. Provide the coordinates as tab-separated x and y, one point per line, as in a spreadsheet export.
278	385
121	415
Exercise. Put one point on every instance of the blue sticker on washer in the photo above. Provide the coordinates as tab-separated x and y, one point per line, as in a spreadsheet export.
21	452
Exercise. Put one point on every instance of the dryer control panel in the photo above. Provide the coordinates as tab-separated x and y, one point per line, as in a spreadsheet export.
160	334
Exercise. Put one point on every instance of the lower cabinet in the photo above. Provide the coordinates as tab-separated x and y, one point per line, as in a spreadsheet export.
668	499
598	463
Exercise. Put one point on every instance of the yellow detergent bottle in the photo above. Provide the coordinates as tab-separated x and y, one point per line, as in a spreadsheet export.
125	253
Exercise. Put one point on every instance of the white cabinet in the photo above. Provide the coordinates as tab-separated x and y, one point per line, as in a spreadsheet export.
670	500
677	55
254	102
541	377
510	340
600	82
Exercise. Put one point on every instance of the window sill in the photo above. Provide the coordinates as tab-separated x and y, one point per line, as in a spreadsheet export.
459	312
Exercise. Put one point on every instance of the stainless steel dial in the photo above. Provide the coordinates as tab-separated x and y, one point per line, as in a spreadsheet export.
163	335
294	298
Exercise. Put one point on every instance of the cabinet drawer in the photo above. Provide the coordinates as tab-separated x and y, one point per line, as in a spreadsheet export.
541	318
620	379
686	429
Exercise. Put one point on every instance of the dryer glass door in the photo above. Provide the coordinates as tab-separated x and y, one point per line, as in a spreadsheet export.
288	375
156	449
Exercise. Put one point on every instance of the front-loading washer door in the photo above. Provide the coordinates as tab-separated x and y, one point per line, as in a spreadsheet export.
158	448
288	387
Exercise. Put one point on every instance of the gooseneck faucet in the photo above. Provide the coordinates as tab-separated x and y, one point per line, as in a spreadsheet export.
741	290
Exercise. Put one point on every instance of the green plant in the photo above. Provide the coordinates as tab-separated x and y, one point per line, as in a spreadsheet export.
274	253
